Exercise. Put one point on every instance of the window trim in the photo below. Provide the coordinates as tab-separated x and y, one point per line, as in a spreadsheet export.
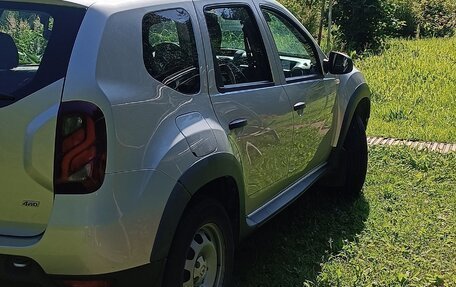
241	86
306	78
201	83
291	80
246	86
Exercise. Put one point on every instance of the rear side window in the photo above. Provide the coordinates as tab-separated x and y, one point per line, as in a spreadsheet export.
35	42
169	49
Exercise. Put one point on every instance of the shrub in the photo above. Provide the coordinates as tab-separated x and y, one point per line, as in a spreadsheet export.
404	11
437	18
424	18
364	23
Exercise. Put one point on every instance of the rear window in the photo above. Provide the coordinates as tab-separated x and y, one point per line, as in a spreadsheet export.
36	41
170	53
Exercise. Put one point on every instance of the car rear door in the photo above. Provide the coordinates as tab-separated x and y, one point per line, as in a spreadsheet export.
246	95
35	42
312	94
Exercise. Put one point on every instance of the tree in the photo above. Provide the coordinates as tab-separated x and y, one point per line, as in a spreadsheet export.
436	18
363	23
307	11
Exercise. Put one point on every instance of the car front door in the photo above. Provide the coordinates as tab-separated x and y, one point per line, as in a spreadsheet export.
312	94
247	97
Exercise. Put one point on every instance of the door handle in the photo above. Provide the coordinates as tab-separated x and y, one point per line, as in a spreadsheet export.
300	106
236	124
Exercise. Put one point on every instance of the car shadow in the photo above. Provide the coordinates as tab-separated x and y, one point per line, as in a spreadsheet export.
290	249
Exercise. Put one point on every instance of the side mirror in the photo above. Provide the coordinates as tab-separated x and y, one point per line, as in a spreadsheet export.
338	64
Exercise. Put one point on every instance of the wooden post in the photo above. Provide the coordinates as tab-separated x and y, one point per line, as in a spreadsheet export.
322	17
328	44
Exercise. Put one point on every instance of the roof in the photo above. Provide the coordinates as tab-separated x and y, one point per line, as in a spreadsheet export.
84	3
88	3
114	5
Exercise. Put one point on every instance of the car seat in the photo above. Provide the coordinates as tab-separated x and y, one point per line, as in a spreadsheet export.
9	57
9	60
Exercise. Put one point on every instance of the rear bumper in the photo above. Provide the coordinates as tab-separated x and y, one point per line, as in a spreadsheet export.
22	271
31	273
109	231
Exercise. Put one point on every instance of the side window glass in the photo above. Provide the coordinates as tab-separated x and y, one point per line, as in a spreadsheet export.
169	49
297	53
237	46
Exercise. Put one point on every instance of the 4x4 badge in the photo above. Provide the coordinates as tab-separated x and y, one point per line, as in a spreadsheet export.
30	203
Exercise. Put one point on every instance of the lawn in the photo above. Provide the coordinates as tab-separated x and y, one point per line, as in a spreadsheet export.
401	232
414	90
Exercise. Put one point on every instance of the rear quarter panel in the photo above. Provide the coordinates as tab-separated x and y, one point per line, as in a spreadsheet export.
115	228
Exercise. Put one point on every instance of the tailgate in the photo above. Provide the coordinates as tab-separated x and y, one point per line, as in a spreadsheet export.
27	133
36	41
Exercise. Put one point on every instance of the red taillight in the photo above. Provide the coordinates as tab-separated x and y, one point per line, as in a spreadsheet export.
80	160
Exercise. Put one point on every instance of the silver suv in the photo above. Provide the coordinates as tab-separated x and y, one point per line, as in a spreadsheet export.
141	140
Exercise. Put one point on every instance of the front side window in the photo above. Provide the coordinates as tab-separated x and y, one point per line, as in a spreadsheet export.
237	46
36	42
170	53
297	54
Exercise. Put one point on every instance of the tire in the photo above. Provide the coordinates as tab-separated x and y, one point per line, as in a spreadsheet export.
202	251
355	146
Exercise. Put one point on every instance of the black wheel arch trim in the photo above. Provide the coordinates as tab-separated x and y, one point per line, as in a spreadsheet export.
361	92
213	167
337	155
202	172
175	206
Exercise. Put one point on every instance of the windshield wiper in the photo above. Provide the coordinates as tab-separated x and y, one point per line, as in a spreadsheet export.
4	97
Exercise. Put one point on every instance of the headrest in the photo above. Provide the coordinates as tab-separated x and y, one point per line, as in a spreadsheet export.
9	56
214	29
213	24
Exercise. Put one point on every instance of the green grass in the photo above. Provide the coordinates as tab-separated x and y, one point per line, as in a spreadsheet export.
401	232
414	90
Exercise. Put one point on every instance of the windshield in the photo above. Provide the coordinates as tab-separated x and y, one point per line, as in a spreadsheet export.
36	41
